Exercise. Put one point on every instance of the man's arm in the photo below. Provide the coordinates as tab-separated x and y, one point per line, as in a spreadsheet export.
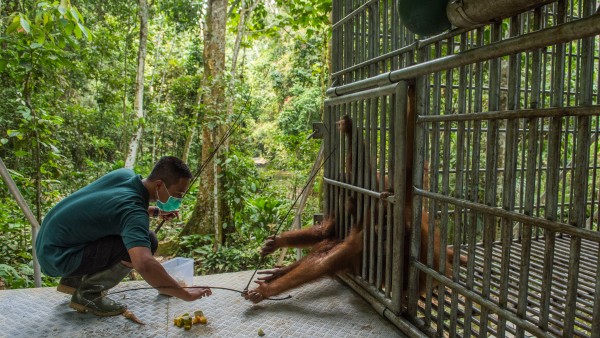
156	275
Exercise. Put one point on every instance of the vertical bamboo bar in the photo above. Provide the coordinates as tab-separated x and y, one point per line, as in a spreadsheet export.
562	58
421	97
552	181
382	227
444	207
372	170
363	200
350	153
434	135
364	51
395	33
578	216
385	32
342	221
336	43
532	146
328	165
354	164
366	199
399	181
459	188
510	168
393	220
371	167
596	315
490	179
376	34
337	172
350	29
445	188
475	177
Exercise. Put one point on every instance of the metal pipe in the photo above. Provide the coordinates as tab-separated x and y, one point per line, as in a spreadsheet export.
577	29
514	114
469	13
35	225
360	190
385	90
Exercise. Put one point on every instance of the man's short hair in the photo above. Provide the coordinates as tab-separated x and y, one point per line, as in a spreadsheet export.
170	170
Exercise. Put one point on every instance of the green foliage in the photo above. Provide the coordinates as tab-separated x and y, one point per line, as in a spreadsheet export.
184	14
225	259
66	112
241	179
301	110
16	277
313	15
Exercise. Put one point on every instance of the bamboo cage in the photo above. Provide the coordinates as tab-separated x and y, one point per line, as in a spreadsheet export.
504	160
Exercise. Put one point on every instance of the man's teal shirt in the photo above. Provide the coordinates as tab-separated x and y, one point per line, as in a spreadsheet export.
115	204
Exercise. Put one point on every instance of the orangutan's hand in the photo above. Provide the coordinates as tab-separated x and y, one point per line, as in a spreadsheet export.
272	274
269	246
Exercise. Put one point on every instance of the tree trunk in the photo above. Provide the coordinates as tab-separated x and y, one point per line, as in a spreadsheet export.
206	214
241	28
192	130
245	12
188	144
138	105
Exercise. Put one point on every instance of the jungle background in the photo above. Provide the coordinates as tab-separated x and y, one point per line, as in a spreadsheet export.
92	86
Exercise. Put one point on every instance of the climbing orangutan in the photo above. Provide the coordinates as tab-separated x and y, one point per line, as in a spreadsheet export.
329	255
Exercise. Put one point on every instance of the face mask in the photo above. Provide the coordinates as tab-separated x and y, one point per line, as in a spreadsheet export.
172	204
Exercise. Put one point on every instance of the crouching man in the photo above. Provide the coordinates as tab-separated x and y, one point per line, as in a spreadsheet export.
94	237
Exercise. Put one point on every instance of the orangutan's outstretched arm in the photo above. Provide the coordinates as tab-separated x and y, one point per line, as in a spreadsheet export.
303	238
314	266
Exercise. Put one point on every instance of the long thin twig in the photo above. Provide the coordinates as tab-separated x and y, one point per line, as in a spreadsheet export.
185	287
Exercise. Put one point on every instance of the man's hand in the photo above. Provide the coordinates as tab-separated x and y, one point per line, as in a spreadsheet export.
167	216
154	273
197	293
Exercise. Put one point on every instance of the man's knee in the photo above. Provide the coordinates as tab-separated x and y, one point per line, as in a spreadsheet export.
153	242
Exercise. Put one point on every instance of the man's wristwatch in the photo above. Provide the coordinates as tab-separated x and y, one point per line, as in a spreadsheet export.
156	212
